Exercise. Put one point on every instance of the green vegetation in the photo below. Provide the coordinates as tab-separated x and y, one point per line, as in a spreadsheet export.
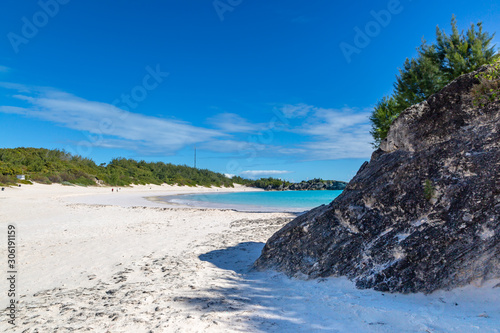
56	166
429	190
386	111
283	185
273	182
488	89
434	67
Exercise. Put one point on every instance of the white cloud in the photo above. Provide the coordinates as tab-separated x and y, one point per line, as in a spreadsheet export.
292	151
118	128
334	133
296	111
311	133
233	123
261	173
18	87
4	69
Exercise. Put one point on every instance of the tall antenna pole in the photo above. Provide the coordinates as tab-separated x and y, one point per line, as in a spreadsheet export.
195	156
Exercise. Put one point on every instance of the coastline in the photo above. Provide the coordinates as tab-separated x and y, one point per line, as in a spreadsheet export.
177	200
94	259
146	195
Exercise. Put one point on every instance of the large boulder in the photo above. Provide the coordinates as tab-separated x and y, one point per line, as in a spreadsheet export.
422	215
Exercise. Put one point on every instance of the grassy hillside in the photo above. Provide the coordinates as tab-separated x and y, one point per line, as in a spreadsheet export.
56	166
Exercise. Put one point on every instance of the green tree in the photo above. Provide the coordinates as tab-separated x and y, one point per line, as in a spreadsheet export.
419	78
433	68
462	53
382	117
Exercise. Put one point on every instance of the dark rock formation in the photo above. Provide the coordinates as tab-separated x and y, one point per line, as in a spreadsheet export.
423	215
310	185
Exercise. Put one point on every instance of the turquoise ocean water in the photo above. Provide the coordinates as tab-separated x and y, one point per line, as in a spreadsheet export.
255	201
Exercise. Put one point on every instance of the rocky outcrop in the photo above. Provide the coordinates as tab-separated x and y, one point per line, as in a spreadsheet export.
422	215
318	185
310	185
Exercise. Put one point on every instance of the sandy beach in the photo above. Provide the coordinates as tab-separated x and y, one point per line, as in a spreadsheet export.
92	260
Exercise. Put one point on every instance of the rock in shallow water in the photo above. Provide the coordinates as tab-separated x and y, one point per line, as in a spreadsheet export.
422	215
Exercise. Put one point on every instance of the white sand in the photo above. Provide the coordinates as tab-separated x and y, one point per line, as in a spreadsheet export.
100	261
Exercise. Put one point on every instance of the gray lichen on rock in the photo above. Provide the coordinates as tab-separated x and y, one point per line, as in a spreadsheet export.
383	233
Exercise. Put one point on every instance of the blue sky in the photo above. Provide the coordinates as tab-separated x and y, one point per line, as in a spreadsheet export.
261	88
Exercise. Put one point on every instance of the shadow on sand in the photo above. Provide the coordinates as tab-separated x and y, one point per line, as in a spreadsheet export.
249	300
260	301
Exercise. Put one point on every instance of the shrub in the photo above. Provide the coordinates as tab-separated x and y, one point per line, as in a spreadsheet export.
385	112
488	88
55	178
429	190
55	166
7	180
41	179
